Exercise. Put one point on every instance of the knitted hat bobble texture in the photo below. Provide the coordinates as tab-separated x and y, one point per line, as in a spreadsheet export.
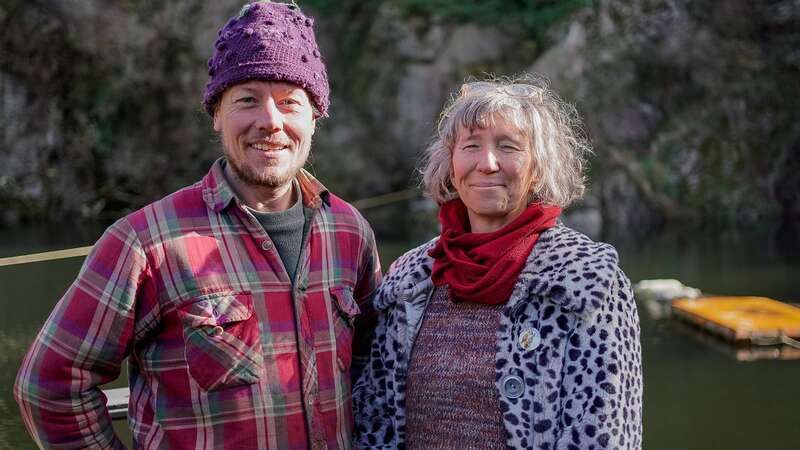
268	41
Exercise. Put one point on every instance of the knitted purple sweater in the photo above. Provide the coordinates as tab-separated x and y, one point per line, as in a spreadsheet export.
451	398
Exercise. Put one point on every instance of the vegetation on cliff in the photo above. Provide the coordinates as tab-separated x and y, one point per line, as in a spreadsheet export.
692	105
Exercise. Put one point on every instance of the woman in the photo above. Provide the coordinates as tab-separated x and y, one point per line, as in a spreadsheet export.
509	330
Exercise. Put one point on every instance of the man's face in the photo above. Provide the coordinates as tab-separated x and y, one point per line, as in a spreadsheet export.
266	130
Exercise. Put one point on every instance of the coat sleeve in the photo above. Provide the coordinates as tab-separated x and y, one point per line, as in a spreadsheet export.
372	401
82	346
602	400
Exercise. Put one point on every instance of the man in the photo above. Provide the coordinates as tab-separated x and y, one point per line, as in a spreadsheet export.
236	300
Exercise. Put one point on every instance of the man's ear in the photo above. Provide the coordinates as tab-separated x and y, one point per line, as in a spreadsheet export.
217	124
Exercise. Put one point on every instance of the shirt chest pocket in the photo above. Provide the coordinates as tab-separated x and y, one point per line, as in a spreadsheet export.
222	340
345	310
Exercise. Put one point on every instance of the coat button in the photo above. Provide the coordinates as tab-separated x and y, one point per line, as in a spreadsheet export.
512	386
266	245
529	339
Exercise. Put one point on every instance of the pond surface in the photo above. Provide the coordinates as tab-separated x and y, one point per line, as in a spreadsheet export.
698	395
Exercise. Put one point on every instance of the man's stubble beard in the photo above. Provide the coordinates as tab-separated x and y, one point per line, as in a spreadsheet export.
249	176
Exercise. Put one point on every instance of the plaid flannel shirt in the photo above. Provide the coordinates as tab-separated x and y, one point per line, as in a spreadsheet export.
223	350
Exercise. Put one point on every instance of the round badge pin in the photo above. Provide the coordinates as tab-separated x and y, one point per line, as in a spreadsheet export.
529	339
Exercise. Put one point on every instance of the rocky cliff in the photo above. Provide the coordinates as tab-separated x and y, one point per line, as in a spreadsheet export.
692	105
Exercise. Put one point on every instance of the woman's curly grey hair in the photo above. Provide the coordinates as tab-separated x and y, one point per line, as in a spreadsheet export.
553	130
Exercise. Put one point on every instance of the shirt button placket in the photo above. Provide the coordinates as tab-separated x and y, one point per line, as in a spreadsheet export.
317	420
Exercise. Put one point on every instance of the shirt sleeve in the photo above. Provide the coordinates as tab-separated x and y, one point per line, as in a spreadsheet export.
81	346
369	278
603	402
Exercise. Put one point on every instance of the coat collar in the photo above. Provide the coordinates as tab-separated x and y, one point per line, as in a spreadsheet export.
565	266
409	271
569	269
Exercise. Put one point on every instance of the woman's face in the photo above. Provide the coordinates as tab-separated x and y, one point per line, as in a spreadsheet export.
491	170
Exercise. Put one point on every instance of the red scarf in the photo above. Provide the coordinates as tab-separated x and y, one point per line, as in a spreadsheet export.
483	267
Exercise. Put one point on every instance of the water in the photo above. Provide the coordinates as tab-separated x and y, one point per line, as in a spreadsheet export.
697	394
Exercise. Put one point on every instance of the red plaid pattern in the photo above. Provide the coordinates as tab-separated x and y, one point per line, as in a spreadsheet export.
223	350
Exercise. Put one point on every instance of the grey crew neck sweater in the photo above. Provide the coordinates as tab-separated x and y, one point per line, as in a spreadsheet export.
285	228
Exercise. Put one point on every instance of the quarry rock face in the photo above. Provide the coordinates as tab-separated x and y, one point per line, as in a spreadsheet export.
691	105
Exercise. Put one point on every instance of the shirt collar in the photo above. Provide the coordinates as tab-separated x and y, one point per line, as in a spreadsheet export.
218	193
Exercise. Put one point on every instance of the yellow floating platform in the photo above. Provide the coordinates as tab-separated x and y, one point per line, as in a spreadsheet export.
741	318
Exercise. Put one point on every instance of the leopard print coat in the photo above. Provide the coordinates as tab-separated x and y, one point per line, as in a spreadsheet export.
568	365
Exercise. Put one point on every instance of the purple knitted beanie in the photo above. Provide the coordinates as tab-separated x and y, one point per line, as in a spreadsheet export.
268	41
